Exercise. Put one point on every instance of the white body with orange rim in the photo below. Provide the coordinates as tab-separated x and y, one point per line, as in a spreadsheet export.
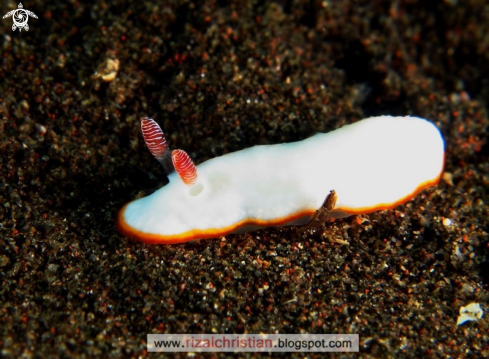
374	164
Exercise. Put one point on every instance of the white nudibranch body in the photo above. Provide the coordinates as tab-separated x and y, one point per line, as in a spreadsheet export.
374	164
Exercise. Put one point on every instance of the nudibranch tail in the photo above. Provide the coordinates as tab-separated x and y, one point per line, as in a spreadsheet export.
156	142
184	166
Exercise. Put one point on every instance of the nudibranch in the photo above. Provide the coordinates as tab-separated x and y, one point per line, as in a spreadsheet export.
373	164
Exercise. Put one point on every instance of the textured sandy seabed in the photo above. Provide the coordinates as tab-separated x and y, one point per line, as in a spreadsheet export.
219	78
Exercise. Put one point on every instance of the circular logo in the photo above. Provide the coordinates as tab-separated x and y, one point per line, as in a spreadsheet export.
20	18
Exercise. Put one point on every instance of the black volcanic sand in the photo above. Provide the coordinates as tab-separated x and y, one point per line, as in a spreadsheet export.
219	78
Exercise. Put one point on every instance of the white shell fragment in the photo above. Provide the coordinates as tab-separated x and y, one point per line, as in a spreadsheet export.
470	312
374	164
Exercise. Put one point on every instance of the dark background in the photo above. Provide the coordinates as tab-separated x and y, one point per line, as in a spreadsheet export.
220	76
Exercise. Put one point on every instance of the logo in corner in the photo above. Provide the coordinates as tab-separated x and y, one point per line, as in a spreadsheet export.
20	17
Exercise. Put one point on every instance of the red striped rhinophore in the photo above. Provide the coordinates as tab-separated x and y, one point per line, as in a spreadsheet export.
184	166
153	136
